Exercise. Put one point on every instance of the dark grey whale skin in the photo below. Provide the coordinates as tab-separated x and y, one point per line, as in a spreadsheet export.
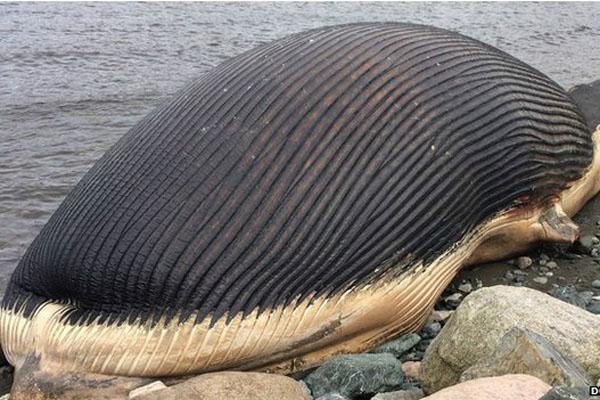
587	98
303	168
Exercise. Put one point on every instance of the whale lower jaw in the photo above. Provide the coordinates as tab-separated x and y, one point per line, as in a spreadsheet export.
284	339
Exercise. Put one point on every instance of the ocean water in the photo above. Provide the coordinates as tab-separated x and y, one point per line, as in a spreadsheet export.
74	77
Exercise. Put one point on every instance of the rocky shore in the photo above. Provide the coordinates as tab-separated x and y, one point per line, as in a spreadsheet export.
527	328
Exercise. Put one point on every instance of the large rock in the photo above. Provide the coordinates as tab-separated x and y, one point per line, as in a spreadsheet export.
477	327
232	385
357	375
587	97
524	352
513	387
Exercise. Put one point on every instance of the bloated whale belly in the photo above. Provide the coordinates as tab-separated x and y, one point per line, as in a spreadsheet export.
309	197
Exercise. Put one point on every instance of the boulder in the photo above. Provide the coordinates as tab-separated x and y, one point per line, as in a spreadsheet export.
410	394
356	375
231	385
587	97
398	346
477	327
523	352
513	387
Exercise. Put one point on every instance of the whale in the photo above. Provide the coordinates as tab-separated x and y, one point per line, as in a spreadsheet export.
310	197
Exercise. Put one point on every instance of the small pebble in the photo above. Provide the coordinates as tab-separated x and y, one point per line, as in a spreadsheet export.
432	329
549	274
524	262
586	243
594	307
542	280
519	272
596	284
551	264
509	275
422	347
454	299
411	369
440	315
465	288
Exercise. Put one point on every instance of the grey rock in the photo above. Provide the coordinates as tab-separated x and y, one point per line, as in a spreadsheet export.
465	288
567	393
551	264
587	296
586	243
524	262
542	280
411	394
454	299
509	275
594	307
431	330
587	97
440	315
357	375
524	352
398	346
596	284
479	324
569	294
